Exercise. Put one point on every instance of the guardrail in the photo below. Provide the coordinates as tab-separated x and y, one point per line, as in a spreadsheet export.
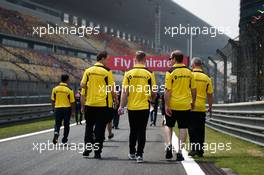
242	120
19	113
34	99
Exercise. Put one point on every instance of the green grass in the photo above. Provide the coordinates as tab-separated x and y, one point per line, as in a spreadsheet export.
244	158
25	127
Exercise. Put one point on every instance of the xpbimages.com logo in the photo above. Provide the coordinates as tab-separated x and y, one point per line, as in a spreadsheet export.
49	146
207	147
174	31
65	30
146	89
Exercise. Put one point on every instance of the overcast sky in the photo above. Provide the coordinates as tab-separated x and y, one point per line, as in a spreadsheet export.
218	13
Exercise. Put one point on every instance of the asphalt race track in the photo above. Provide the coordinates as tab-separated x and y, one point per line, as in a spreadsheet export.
22	156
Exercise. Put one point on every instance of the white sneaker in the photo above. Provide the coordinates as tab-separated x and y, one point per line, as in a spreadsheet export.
131	156
140	159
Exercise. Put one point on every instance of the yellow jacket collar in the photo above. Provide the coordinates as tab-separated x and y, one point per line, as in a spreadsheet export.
178	65
63	84
139	65
198	69
98	64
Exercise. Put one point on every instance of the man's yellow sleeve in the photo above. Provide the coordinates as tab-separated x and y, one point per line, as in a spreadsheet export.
153	80
125	80
168	81
111	80
84	78
210	89
53	95
72	99
83	92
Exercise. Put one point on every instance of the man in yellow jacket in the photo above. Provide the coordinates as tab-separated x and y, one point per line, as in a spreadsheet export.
197	121
137	88
97	83
63	105
180	97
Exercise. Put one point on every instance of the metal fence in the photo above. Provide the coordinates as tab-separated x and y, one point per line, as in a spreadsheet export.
241	63
26	91
19	113
242	120
225	61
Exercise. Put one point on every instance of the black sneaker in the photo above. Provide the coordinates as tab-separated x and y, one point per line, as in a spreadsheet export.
111	136
86	153
64	140
55	139
132	156
192	153
139	159
97	156
179	157
168	150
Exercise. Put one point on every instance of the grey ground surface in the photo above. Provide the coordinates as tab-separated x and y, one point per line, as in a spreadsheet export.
18	156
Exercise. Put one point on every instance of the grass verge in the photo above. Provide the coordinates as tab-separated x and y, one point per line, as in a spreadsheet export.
243	158
25	127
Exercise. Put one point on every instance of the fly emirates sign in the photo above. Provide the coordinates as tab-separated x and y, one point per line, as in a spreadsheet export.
153	63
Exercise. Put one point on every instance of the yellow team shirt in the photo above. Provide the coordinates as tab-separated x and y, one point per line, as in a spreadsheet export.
110	97
97	79
179	79
62	95
110	100
203	87
138	81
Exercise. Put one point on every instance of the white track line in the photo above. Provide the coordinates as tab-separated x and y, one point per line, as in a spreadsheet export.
31	134
190	166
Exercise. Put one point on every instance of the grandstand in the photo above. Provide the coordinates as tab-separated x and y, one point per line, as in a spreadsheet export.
13	22
44	65
21	65
127	17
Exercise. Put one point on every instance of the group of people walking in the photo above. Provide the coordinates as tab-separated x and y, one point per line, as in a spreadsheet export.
184	102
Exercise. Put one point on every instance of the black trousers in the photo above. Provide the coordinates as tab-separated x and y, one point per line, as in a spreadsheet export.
116	118
138	121
62	114
78	112
96	120
197	131
153	115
